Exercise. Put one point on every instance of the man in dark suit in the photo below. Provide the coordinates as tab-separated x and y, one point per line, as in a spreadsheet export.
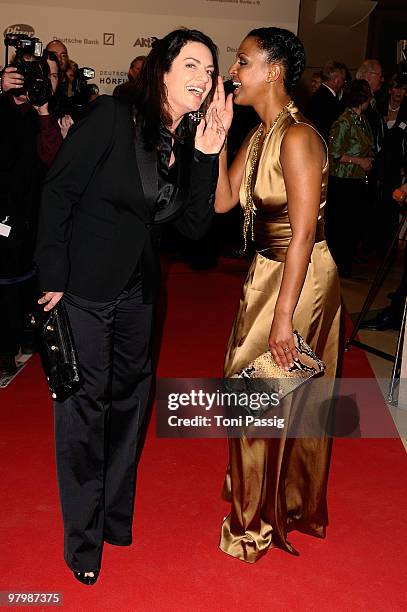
371	71
324	107
29	140
125	91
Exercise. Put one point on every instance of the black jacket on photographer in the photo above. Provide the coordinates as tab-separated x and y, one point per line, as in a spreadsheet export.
28	144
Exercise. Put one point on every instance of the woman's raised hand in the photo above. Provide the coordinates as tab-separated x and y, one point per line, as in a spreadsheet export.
212	131
210	134
223	105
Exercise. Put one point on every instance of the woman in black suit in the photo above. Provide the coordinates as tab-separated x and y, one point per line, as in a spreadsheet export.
120	175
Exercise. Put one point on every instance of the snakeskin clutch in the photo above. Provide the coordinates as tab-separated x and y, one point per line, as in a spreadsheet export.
264	374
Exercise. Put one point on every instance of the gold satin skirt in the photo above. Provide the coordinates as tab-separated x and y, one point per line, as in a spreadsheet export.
276	485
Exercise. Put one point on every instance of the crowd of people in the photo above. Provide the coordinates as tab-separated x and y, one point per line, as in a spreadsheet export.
363	122
155	154
363	125
31	137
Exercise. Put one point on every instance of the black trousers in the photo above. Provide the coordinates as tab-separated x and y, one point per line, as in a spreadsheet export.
346	217
11	317
97	430
16	301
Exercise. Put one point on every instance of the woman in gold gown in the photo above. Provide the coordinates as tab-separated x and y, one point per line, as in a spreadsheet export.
280	177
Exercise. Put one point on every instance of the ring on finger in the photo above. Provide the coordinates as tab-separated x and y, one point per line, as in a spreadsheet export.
286	350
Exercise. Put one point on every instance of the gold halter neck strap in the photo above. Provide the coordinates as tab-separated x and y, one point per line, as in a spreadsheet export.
249	209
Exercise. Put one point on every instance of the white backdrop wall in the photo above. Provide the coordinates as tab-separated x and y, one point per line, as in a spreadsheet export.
107	40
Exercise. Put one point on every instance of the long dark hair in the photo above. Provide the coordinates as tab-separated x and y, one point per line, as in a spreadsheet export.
282	47
150	94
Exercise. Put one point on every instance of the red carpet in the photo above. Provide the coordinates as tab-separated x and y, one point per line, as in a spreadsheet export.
174	563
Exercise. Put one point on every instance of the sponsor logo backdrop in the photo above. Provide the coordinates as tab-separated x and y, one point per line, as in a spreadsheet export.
107	41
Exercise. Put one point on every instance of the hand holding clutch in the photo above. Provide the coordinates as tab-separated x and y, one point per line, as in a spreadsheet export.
58	355
282	341
280	380
50	299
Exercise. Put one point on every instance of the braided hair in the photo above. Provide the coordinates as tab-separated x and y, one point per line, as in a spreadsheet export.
282	47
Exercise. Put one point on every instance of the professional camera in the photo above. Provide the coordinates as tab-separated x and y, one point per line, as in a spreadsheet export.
80	83
31	63
81	89
82	93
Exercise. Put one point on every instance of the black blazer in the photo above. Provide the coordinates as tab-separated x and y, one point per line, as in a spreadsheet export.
97	213
323	110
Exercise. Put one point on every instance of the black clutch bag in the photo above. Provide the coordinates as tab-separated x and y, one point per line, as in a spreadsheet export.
58	354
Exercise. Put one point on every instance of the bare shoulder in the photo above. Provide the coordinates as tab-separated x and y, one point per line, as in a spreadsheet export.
303	135
302	140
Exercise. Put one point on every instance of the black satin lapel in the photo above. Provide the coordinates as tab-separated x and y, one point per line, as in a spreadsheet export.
147	165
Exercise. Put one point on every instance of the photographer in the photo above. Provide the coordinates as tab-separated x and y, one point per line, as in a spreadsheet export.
30	137
58	48
125	91
373	239
82	93
72	67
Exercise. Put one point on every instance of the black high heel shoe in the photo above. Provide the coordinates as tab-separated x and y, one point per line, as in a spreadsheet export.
88	580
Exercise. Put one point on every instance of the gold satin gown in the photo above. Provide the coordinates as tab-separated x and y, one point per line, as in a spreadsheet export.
277	485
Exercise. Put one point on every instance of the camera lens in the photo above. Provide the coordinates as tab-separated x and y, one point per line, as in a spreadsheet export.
39	90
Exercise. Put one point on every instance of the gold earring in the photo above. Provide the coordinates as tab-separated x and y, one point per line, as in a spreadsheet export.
271	77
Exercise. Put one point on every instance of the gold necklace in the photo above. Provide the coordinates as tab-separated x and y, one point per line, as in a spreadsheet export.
249	209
